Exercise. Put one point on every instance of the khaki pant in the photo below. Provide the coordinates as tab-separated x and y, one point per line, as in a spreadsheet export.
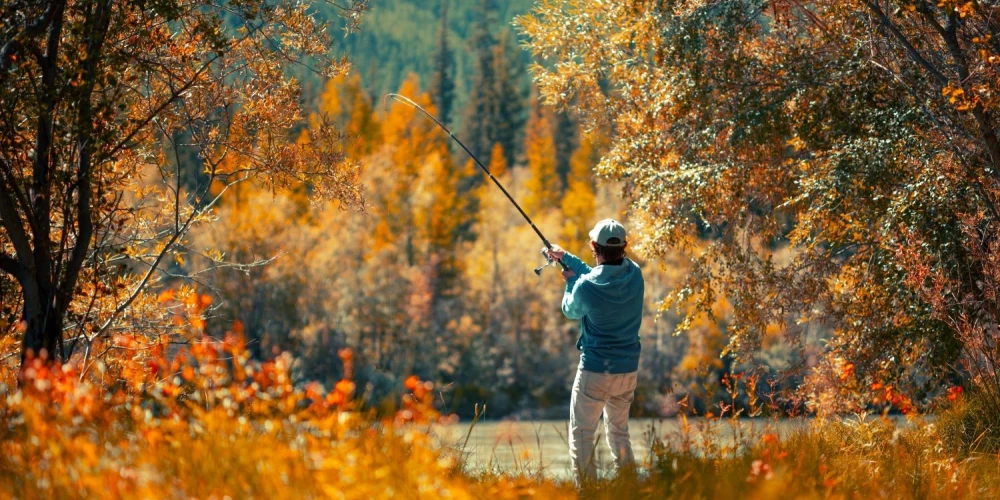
594	393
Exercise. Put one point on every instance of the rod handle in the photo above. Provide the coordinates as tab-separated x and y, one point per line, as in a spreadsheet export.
549	246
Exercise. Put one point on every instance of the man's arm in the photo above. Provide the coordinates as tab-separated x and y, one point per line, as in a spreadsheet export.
574	303
572	262
575	264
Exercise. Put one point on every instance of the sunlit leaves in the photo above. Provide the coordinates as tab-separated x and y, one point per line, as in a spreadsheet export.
208	420
165	105
827	132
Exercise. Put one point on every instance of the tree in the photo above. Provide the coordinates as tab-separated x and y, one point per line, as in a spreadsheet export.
264	285
543	185
345	103
860	134
495	109
507	97
579	204
443	80
480	108
498	162
410	139
94	100
566	141
440	217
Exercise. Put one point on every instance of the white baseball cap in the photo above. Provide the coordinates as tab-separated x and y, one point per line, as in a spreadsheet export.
608	233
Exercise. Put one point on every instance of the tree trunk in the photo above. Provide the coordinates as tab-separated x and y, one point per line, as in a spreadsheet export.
47	281
44	326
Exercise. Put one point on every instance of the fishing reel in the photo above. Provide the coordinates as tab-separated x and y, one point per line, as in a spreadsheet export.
549	261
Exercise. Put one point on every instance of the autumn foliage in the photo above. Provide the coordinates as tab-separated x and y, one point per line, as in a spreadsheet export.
212	285
820	163
124	124
205	420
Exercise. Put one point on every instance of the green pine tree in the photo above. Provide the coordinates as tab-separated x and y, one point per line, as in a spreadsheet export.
443	80
479	110
508	97
566	140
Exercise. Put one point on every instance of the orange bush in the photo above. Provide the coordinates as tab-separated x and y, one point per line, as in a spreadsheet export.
207	421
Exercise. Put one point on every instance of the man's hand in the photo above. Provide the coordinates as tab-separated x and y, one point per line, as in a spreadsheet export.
556	252
567	274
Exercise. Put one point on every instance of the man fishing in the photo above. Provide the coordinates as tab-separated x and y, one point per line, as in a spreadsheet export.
608	301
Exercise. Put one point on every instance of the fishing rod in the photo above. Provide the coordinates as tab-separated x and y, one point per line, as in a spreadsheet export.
548	246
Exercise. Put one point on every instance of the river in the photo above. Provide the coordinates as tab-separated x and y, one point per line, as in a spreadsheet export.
540	446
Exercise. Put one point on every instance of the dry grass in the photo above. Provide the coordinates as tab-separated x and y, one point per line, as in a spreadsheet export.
831	459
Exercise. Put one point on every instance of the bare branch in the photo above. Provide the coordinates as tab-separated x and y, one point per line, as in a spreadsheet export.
137	290
84	157
176	94
12	46
914	54
11	221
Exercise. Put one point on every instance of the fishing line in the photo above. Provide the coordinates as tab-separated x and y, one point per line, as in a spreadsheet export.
548	246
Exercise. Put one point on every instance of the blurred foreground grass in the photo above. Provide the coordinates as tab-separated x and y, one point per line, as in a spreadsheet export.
850	458
209	423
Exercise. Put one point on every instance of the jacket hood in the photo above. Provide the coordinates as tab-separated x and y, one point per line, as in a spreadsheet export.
617	284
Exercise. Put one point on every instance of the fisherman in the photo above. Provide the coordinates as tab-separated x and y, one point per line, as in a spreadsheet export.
608	301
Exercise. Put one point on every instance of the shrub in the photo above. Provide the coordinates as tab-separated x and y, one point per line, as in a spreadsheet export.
208	422
970	426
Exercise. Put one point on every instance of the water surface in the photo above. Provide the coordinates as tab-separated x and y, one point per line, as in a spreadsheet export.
541	446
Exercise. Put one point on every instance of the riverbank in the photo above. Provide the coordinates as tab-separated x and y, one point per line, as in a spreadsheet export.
539	447
858	456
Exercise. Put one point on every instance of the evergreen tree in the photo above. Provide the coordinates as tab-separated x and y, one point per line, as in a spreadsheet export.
479	110
507	96
566	143
443	80
495	111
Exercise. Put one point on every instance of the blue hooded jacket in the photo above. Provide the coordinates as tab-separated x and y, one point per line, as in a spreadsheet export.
608	301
